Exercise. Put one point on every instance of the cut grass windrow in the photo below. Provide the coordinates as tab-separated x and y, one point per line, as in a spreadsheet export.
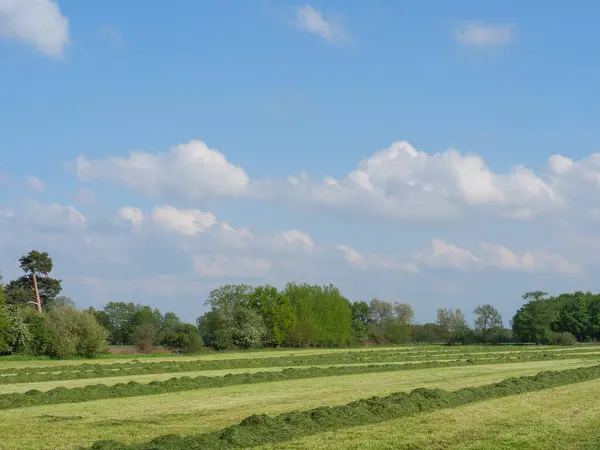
262	429
89	371
134	389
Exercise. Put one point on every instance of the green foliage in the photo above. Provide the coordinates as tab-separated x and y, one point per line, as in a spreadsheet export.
145	337
276	311
428	333
454	324
118	318
323	316
184	338
533	321
260	430
389	323
17	336
563	338
487	322
360	321
42	339
75	333
21	290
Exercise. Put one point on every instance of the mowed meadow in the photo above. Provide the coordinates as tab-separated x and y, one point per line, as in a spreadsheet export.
438	397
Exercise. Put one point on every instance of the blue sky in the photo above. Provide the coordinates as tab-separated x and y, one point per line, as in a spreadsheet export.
257	127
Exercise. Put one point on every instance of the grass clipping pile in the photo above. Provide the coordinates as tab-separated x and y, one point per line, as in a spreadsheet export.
262	429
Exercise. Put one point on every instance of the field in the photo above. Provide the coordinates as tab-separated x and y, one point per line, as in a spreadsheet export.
200	401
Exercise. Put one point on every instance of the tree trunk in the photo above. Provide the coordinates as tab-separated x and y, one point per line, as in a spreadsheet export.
38	302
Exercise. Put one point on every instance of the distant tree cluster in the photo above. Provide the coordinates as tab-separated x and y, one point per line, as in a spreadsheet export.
146	328
35	319
563	319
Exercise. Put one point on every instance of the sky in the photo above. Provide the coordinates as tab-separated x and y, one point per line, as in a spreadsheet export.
441	154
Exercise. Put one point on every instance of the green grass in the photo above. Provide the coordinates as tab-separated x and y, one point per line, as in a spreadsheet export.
559	418
19	362
138	419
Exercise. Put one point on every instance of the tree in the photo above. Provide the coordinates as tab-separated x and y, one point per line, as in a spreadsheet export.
145	336
36	286
277	313
533	321
403	313
360	320
119	321
487	320
184	338
380	310
454	324
428	333
75	333
573	315
4	323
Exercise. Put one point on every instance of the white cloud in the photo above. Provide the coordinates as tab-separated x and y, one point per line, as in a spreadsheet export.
188	222
53	215
397	183
222	266
442	254
352	256
35	184
477	33
85	196
400	182
131	214
36	22
191	171
294	240
313	21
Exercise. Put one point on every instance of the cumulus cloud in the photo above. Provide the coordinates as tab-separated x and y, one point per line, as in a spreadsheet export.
190	171
311	20
352	256
188	222
442	254
222	266
397	182
36	22
35	184
53	215
477	33
402	183
131	214
294	240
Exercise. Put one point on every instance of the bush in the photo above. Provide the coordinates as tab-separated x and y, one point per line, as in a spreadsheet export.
564	338
185	339
145	336
42	339
75	333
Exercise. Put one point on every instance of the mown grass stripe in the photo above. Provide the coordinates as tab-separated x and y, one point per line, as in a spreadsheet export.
262	429
88	371
134	389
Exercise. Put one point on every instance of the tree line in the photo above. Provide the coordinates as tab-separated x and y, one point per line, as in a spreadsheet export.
36	319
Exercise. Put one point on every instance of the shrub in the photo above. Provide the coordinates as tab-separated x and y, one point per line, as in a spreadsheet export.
185	339
564	338
42	339
145	336
75	333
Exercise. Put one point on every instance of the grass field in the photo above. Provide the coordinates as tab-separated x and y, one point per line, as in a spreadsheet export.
558	417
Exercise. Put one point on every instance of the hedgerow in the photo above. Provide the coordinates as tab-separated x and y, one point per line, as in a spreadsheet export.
263	429
88	371
62	394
